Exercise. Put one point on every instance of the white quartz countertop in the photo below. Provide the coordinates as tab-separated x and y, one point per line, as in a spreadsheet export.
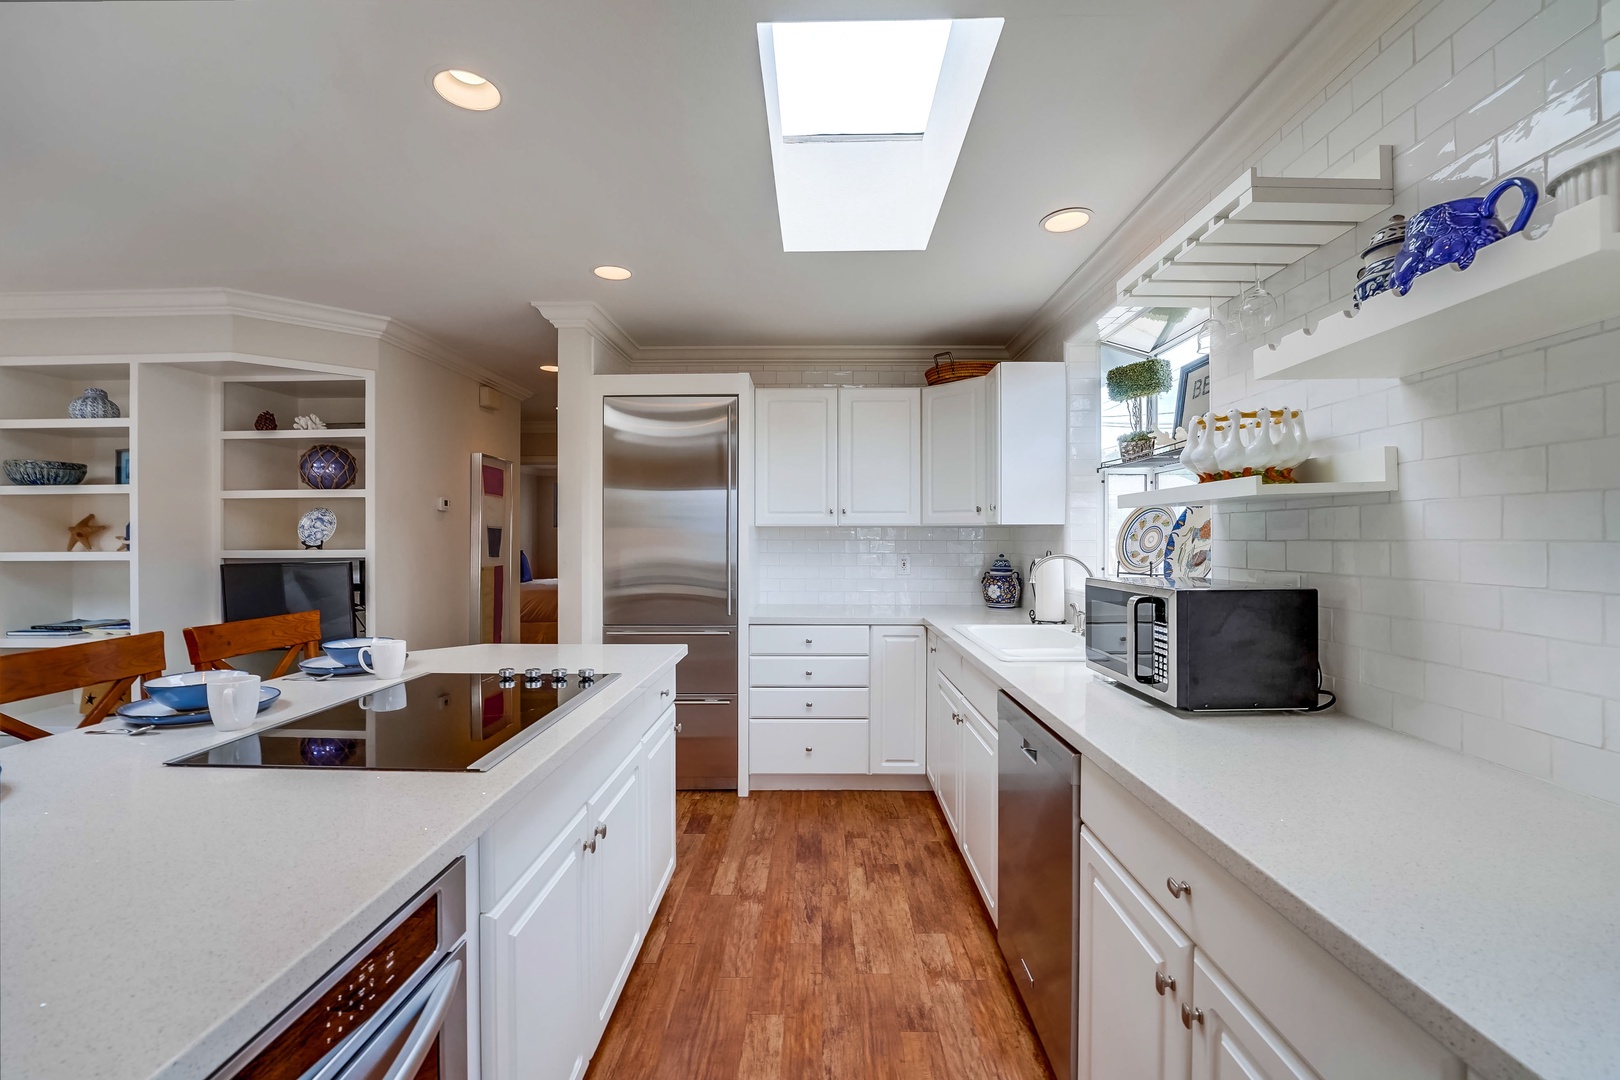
153	919
1483	904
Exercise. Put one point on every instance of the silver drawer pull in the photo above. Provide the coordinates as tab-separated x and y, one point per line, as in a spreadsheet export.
663	693
1189	1014
601	829
809	749
807	641
1178	889
590	845
1163	982
809	674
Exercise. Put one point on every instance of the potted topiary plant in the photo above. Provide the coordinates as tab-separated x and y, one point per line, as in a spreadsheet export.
1139	385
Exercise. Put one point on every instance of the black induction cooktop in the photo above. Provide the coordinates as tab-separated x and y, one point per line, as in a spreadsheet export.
440	723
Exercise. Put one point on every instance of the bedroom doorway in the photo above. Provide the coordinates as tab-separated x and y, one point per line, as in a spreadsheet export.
537	536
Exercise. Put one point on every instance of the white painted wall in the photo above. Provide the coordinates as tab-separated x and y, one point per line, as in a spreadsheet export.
428	425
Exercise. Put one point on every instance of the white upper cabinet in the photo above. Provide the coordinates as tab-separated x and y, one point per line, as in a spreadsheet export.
879	455
954	455
1026	408
796	457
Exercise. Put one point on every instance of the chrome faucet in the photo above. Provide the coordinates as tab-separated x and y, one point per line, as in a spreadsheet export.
1042	561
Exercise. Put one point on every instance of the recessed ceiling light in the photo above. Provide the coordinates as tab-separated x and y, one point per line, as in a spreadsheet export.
611	273
466	90
1068	219
548	367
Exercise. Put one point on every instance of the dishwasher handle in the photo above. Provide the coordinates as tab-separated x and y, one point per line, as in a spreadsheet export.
1029	751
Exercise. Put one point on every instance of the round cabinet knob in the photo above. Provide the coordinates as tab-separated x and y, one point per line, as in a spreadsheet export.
506	674
844	511
978	509
590	845
809	704
1189	1014
809	641
587	675
829	510
1163	982
1178	889
677	729
663	693
559	676
601	829
809	674
809	749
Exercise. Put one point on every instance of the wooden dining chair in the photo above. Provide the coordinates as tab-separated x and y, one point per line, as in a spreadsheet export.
298	633
118	660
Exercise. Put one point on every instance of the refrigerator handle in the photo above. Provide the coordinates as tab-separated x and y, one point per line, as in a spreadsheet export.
731	497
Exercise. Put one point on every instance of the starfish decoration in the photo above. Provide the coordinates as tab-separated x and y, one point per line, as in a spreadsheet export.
84	532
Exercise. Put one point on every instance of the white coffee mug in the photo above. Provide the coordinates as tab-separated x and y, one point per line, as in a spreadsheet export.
233	700
384	657
388	699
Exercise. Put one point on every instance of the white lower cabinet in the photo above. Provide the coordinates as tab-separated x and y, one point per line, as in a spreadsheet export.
534	968
616	867
962	770
1231	1041
899	732
1136	969
580	866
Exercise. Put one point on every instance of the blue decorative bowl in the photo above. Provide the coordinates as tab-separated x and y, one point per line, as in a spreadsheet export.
185	691
346	651
328	468
333	753
41	473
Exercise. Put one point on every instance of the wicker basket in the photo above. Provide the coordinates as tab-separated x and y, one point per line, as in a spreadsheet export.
949	369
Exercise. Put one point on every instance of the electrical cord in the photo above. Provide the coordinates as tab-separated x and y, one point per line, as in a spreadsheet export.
1320	706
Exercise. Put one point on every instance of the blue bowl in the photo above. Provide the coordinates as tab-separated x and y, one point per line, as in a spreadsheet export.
39	473
186	691
346	651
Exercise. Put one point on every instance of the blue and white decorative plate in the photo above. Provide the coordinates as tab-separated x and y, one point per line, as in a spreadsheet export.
151	711
1141	539
324	666
1187	550
316	527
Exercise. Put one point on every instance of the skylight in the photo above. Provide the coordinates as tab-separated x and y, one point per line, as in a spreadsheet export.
853	80
866	120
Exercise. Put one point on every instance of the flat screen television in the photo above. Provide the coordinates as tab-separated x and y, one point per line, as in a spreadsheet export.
254	590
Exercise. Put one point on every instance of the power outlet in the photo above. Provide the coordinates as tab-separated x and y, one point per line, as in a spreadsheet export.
905	566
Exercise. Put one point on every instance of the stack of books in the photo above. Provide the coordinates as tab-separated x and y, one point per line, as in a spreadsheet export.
73	628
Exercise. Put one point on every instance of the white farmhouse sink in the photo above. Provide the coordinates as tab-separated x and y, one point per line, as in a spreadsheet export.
1015	642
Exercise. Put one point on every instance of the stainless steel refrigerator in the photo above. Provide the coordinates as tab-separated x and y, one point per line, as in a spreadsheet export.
669	560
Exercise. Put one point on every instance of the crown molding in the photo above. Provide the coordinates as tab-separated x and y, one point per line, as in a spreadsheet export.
588	315
1326	49
128	303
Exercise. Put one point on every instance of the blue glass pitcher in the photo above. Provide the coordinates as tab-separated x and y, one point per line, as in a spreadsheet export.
1453	232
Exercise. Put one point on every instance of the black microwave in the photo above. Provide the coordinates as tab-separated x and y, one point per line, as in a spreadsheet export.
1205	647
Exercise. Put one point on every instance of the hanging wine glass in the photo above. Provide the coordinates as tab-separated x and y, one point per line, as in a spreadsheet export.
1257	309
1211	332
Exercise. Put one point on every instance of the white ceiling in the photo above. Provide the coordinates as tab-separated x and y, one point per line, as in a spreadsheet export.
296	149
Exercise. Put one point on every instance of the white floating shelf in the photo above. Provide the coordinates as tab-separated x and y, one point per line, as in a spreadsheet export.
65	425
1268	222
1354	473
295	493
64	556
317	434
293	553
31	643
64	489
1519	289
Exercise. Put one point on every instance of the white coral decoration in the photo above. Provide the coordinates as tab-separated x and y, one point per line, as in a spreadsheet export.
308	423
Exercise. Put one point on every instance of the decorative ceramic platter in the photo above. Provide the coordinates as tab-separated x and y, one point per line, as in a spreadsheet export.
1140	546
316	527
1187	548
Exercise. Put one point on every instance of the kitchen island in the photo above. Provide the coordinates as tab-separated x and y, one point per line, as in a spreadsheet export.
154	919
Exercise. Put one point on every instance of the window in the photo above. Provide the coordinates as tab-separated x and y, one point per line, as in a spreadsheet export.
854	80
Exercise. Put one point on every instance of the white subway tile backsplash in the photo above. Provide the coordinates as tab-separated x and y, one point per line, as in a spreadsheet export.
1397	674
1463	433
1588	361
1505	562
1267	555
1584	465
1559	418
1560	120
1573	62
1590	669
1420	639
1424	560
1554	710
1392	596
1431	478
1444	20
1471	691
1574	515
1505	472
1287	524
1477	518
1551	613
1310	556
1463	604
1508	744
1426	720
1512	378
1561	20
1585	566
1422	79
1505	653
1356	129
1391	61
1587	769
1490	26
1453	97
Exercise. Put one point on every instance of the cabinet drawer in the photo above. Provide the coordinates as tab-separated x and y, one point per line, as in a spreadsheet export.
816	703
809	671
1338	1023
810	640
807	746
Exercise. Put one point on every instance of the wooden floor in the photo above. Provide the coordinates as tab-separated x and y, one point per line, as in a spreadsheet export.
819	934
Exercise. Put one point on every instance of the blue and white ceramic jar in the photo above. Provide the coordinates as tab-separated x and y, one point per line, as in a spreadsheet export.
93	404
1003	588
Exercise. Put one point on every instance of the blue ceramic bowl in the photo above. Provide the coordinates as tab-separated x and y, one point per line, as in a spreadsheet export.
346	651
35	473
186	691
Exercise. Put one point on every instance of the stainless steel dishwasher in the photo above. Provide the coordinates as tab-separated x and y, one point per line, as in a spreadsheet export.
1038	841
